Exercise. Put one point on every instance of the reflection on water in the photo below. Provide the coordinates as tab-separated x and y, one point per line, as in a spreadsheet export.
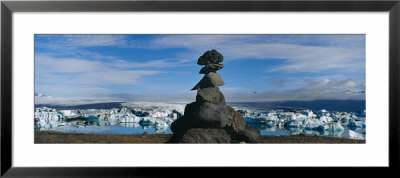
113	128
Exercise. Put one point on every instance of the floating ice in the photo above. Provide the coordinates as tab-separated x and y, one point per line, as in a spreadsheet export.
46	118
160	116
355	135
354	123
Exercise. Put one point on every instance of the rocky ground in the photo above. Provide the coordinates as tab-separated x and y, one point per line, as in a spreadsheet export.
58	137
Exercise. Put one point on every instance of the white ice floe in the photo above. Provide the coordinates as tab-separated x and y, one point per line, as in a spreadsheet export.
335	126
325	119
298	116
308	113
313	124
160	116
294	124
46	118
354	123
355	135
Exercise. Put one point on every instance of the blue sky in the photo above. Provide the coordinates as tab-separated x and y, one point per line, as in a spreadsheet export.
257	67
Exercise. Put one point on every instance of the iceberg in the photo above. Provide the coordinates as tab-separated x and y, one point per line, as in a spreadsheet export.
294	124
47	118
313	124
325	119
355	135
353	123
147	121
335	126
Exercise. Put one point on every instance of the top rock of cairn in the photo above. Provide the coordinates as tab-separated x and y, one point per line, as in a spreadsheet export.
211	60
210	57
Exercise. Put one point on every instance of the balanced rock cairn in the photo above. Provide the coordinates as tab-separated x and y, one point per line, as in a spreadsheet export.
209	119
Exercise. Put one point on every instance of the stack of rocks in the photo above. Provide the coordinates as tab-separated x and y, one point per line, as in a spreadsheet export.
209	119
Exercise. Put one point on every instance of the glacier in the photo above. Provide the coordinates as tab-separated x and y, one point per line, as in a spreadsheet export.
158	117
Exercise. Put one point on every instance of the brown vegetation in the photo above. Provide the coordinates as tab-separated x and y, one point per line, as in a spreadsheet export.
58	137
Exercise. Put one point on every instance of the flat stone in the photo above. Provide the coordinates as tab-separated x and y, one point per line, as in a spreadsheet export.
211	79
210	57
211	68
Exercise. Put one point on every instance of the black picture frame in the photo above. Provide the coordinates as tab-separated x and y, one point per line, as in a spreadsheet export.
8	7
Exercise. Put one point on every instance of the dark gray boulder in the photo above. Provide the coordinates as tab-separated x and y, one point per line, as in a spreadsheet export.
211	95
210	57
181	124
208	115
222	100
211	68
202	135
249	134
237	121
211	79
185	122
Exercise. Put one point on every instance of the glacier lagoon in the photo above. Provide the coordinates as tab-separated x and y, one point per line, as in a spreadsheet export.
155	118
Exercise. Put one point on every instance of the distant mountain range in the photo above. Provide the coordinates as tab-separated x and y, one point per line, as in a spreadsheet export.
330	105
41	95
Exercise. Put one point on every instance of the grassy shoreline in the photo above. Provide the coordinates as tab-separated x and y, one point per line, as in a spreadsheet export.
43	137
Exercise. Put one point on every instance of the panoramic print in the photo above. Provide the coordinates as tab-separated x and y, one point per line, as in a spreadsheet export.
184	89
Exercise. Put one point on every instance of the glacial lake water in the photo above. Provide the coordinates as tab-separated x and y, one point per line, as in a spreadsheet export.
134	128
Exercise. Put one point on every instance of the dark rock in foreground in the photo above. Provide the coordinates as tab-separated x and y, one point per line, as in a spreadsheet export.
249	134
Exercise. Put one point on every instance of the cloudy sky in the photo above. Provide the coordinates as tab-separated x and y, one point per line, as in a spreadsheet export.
163	67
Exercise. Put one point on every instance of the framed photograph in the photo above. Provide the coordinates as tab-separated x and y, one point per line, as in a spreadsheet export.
104	88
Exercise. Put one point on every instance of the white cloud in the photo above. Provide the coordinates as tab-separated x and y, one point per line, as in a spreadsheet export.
50	63
77	41
95	40
69	76
128	77
316	90
343	54
302	53
47	64
234	89
61	89
66	101
340	52
151	64
167	98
